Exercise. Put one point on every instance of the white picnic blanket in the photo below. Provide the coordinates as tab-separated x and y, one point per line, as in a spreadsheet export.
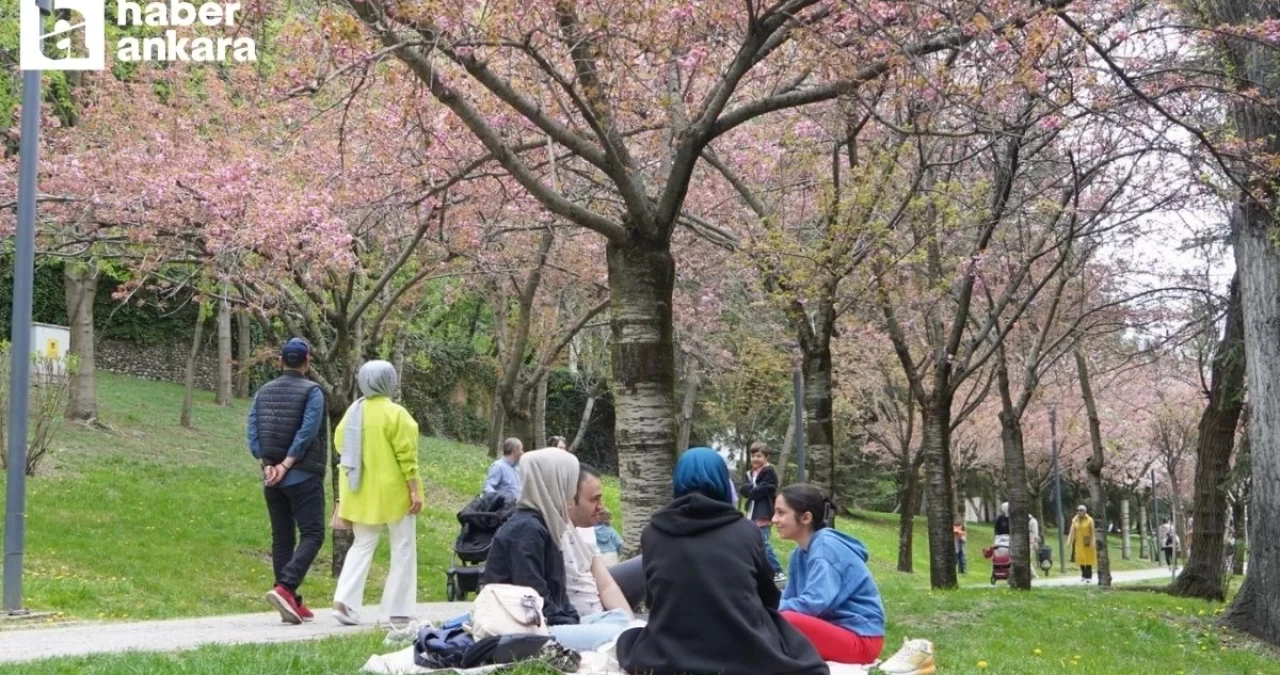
602	662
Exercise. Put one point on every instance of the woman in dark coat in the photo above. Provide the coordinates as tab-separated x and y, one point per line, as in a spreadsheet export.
710	591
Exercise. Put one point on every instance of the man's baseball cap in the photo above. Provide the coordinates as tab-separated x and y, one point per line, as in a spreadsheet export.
294	352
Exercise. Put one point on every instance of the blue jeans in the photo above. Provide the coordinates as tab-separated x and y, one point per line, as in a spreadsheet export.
593	631
768	550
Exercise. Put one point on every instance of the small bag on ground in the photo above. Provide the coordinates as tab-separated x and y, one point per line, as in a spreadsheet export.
504	609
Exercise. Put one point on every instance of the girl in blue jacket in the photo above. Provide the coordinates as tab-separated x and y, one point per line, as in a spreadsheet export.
831	597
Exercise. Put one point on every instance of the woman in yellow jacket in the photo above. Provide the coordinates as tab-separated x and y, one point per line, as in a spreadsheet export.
379	486
1083	543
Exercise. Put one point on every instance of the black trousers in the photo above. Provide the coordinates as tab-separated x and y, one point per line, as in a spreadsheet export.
1168	555
1086	571
297	528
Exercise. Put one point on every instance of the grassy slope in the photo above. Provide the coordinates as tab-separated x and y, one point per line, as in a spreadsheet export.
155	521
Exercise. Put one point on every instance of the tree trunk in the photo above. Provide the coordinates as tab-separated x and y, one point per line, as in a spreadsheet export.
189	383
1125	546
641	283
909	481
686	409
81	288
245	359
1094	466
1240	527
1203	575
583	424
519	424
1256	609
788	440
342	539
223	396
1142	528
940	507
1015	474
819	429
540	415
497	424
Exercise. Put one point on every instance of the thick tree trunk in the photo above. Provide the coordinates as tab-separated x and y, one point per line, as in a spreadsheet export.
1256	609
641	283
81	288
784	455
1203	575
223	395
244	360
819	429
940	507
909	481
540	415
1015	474
520	424
189	382
1125	547
691	383
1142	528
583	423
1094	466
497	424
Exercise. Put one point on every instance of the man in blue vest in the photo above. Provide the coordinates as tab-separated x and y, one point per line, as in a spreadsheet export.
286	434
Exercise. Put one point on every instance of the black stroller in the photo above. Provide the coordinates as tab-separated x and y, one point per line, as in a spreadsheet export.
480	521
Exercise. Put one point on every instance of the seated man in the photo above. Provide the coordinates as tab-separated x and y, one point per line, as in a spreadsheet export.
592	589
532	548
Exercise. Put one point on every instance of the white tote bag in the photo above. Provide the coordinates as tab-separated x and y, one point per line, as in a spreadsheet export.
504	609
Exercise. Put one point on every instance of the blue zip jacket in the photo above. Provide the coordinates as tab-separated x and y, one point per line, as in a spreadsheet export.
830	581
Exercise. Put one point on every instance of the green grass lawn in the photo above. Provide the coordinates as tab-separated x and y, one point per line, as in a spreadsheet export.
149	520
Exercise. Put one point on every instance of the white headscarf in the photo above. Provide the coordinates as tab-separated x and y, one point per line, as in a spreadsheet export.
376	378
1004	508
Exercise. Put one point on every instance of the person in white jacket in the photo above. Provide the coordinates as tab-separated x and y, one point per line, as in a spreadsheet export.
1034	532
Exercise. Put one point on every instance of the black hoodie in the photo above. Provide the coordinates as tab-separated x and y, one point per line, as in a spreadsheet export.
712	599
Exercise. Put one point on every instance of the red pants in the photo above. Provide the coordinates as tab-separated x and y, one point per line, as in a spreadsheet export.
835	643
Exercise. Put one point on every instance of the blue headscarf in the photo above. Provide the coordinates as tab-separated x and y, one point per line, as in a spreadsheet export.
703	470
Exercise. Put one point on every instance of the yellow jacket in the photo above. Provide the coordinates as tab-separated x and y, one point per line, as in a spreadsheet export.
388	461
1083	541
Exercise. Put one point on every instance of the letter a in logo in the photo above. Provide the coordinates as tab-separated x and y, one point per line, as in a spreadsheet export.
77	40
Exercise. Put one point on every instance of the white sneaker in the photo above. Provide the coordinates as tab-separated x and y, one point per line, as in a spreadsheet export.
345	615
915	658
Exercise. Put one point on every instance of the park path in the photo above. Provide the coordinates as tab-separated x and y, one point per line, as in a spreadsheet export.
1072	578
83	638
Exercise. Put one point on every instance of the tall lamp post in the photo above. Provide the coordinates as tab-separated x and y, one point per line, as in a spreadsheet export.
1057	487
20	338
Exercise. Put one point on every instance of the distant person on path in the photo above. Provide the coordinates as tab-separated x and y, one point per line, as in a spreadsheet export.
831	596
957	530
1002	520
380	486
712	599
1083	543
607	539
286	434
557	442
503	478
760	489
1168	541
1033	530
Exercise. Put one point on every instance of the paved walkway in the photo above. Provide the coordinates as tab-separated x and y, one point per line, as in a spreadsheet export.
81	638
1072	578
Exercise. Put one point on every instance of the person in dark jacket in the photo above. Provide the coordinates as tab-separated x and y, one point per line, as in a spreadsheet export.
286	435
760	489
1002	520
696	627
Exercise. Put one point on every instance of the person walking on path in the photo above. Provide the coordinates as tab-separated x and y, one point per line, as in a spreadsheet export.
286	434
1083	544
1168	541
378	441
503	478
957	531
760	489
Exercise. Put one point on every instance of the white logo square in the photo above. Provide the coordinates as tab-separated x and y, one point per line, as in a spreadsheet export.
87	22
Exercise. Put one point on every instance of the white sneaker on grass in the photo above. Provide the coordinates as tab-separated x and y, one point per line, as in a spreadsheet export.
915	658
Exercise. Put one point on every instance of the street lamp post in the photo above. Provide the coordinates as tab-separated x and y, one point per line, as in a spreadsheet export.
20	338
1057	487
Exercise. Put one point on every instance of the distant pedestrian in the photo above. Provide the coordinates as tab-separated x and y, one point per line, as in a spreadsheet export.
380	487
557	442
1082	540
957	531
1002	520
1168	541
286	434
503	479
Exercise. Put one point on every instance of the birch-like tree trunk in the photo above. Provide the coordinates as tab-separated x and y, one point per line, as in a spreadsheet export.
225	384
189	382
81	288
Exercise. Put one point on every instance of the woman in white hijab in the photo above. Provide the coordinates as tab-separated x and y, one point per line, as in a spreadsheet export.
379	487
529	550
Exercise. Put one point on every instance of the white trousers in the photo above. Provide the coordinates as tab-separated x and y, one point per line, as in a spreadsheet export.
400	595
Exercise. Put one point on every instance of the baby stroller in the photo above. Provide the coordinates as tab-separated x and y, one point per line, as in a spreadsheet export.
1001	560
480	521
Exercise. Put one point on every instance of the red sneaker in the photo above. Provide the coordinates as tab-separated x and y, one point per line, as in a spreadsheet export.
284	602
303	612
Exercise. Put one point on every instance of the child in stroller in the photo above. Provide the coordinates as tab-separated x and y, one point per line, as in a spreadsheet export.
480	521
1001	559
